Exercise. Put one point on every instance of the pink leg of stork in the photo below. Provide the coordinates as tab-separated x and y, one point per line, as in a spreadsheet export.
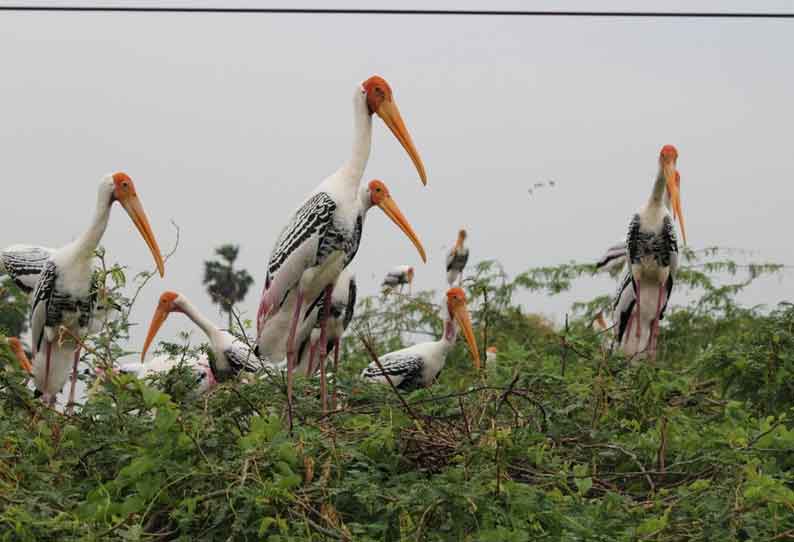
652	340
336	375
324	346
70	403
291	361
312	357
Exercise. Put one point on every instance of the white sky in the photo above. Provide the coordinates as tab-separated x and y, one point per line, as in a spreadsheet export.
226	122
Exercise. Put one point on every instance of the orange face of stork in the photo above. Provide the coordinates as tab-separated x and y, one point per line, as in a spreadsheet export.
456	304
165	306
380	101
124	192
380	196
668	159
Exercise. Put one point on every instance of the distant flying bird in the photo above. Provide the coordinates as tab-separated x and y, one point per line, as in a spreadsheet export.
329	219
456	260
420	364
653	256
399	276
65	294
230	355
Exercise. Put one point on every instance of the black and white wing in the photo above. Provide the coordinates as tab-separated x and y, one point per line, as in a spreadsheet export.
42	304
404	370
457	259
23	263
634	240
241	358
297	248
614	258
623	305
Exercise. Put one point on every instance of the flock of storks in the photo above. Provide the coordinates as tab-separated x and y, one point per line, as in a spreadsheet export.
309	292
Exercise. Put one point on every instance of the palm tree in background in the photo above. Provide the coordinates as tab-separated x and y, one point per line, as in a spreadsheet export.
226	285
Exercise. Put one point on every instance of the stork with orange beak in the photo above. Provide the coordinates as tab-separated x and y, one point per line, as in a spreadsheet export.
65	294
229	356
330	218
456	260
399	276
653	252
419	365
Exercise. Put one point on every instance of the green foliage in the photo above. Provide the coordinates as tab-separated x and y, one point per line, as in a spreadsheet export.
13	308
556	440
226	285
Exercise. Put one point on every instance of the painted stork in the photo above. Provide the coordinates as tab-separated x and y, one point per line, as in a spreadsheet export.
456	260
23	264
614	259
329	219
653	253
313	350
420	364
200	366
230	355
490	354
399	276
65	294
19	352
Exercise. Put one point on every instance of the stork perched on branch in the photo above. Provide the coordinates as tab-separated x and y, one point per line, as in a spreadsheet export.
65	294
420	364
456	260
230	355
399	276
332	216
653	256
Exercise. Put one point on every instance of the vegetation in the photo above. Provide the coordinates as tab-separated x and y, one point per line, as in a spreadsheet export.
226	285
559	439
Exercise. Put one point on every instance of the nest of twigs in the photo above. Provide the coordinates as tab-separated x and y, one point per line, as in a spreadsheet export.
430	446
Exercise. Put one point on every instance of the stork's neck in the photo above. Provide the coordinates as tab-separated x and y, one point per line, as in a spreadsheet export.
86	244
450	331
210	330
659	189
362	140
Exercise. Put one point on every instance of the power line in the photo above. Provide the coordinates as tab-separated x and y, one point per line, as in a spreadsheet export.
313	11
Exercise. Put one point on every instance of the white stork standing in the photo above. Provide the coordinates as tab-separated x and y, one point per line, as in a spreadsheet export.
230	355
614	259
399	276
342	308
653	256
65	294
329	219
420	364
456	260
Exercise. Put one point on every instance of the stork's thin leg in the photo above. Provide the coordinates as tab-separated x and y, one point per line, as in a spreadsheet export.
70	402
324	347
639	316
336	374
653	339
312	358
291	353
47	372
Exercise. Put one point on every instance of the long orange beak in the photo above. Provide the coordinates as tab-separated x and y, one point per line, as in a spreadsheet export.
134	208
390	208
673	180
461	316
159	318
390	114
19	352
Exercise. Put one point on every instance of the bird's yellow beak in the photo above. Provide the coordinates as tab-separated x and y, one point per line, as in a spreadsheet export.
461	315
390	208
673	180
160	316
390	114
132	204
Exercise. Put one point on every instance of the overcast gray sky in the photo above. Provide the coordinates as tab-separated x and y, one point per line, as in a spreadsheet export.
226	122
